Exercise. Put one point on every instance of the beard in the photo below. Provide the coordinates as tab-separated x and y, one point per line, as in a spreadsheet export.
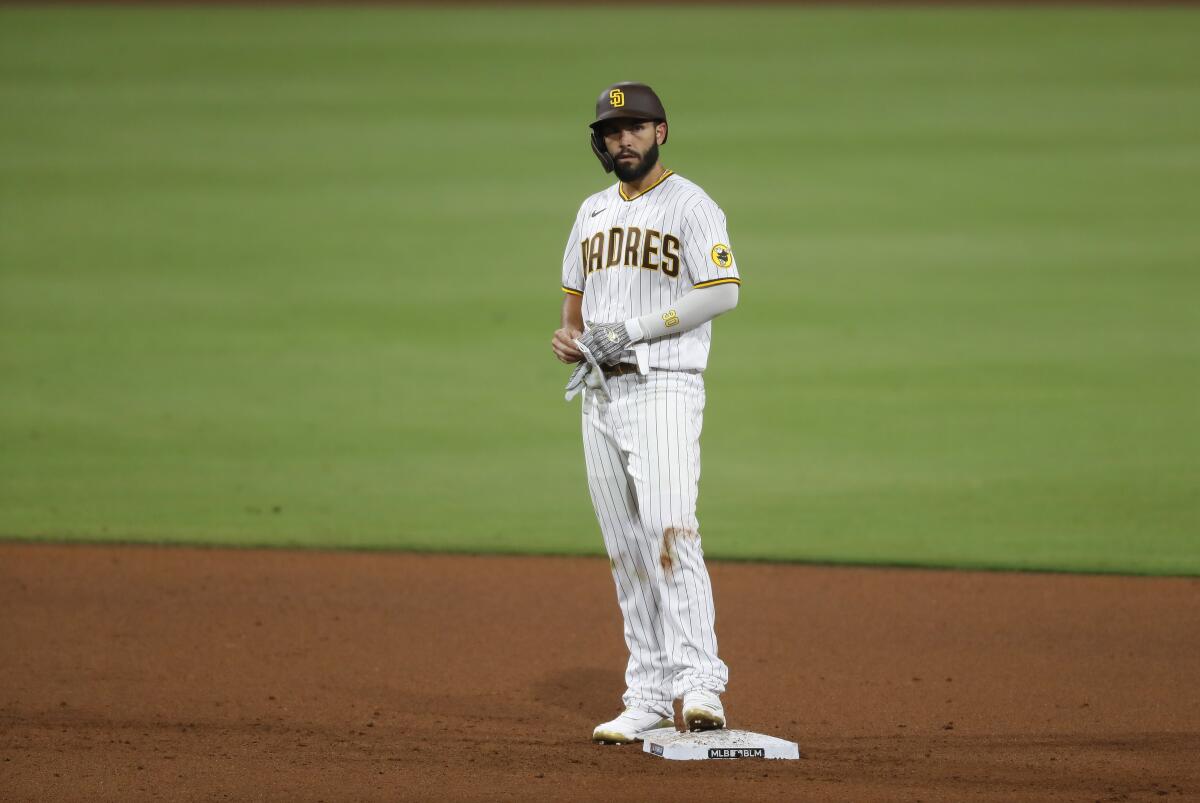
632	172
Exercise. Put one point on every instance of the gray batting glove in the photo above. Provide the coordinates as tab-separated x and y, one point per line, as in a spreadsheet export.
606	342
597	367
578	379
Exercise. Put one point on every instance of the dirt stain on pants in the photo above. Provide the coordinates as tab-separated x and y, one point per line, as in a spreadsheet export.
666	553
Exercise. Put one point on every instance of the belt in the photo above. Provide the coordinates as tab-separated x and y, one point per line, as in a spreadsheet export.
620	369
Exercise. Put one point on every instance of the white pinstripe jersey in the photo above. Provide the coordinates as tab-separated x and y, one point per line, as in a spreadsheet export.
629	256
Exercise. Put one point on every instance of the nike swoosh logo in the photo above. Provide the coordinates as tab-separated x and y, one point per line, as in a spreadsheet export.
598	211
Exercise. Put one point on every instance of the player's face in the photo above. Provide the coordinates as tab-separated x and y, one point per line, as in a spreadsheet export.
633	145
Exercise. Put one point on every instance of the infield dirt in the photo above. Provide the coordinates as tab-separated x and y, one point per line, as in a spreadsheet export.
137	673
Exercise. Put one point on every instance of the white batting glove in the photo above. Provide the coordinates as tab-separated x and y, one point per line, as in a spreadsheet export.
578	379
597	369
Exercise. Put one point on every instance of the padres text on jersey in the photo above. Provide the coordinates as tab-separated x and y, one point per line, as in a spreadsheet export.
630	256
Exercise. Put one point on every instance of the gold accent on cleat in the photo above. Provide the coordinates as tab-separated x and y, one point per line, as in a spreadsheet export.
614	737
610	737
700	720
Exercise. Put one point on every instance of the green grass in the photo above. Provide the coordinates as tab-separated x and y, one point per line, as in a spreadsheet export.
289	276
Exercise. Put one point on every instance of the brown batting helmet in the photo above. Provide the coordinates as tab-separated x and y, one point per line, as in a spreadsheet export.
627	100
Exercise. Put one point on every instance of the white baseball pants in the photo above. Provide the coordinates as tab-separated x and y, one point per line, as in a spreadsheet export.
642	447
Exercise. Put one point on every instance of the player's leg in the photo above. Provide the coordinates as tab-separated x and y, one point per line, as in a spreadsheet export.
667	472
647	673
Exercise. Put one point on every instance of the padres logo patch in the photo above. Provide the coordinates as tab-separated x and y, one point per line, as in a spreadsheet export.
617	98
722	257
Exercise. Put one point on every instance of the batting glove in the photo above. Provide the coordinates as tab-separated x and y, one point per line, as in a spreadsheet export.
604	342
578	379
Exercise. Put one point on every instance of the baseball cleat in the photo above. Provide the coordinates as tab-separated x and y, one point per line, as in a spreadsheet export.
629	727
702	711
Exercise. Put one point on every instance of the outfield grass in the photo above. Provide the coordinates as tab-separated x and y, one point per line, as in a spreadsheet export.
288	277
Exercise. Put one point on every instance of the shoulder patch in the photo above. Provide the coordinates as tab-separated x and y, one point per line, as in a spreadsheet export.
722	257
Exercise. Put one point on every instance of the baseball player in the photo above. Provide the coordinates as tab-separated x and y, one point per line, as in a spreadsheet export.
647	267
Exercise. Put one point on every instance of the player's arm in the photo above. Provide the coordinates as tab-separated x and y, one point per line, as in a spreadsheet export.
563	341
699	306
712	270
606	342
571	320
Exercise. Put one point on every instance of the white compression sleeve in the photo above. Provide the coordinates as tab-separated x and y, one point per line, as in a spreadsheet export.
689	312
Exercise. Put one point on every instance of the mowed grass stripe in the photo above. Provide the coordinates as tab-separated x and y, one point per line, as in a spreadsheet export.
287	276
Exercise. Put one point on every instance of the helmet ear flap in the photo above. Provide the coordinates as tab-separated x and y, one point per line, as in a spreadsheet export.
602	152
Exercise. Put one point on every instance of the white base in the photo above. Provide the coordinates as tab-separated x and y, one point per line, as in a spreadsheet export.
670	743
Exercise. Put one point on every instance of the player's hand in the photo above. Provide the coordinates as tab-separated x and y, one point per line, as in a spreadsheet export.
564	346
605	342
